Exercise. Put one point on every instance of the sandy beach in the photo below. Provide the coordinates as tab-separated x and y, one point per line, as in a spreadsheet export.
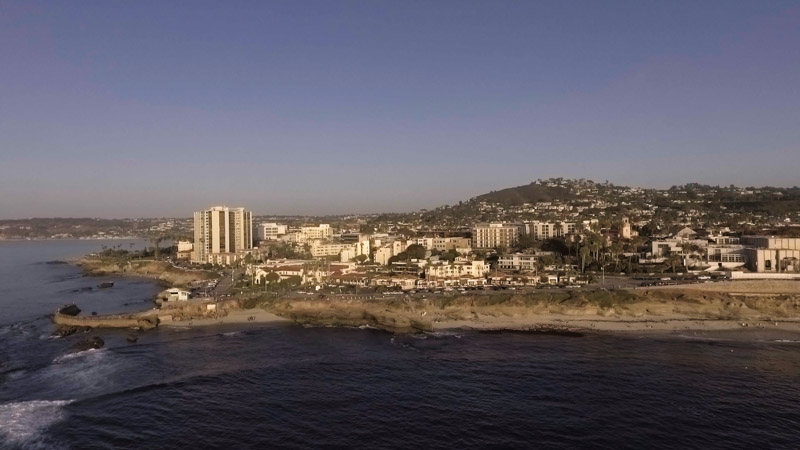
242	316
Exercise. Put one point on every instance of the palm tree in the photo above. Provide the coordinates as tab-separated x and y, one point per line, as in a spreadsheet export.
673	260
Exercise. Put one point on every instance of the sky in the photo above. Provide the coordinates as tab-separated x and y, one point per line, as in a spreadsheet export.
161	108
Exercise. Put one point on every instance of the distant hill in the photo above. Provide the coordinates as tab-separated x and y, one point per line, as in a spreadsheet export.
530	193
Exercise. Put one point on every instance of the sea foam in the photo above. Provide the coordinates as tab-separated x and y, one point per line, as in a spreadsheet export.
23	423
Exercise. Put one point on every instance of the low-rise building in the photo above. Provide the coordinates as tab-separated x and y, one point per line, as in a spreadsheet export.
314	233
184	250
177	295
521	261
773	254
442	269
271	231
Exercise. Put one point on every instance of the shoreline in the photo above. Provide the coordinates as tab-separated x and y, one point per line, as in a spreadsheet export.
546	324
787	331
744	308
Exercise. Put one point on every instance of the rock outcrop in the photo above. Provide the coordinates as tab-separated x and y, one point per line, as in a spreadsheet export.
94	342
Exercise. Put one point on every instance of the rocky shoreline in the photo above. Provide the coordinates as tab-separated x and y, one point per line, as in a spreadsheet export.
713	308
161	271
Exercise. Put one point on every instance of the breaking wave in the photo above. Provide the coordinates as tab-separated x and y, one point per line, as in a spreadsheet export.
23	424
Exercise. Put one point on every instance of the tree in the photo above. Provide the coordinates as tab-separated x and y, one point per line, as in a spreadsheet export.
449	255
585	253
415	251
360	259
674	260
272	277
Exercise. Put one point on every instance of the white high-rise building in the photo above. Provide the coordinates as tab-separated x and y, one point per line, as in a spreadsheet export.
221	231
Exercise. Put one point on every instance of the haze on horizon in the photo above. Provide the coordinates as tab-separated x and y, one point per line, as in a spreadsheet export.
153	109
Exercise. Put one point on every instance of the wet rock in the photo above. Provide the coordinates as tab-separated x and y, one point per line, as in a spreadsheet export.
93	342
69	330
132	338
69	310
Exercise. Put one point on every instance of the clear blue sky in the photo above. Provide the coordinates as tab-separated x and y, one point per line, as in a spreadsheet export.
160	108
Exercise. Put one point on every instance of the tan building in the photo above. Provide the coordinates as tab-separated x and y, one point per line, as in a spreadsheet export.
547	230
345	251
221	230
271	231
773	254
185	249
521	261
383	253
313	233
493	235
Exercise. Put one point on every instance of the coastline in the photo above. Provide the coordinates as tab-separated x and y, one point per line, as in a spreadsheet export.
161	271
787	331
745	308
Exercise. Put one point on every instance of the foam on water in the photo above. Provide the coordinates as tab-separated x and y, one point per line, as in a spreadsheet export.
23	423
94	353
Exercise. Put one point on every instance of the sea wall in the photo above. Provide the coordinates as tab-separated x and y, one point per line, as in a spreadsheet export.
110	321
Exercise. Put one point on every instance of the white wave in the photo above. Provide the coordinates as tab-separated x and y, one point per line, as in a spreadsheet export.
92	352
23	423
232	333
445	334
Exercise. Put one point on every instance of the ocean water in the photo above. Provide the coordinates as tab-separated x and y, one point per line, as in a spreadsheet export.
284	386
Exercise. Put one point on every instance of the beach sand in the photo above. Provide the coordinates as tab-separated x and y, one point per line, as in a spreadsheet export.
233	317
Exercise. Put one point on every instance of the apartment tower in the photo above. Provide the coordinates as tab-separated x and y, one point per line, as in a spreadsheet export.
221	230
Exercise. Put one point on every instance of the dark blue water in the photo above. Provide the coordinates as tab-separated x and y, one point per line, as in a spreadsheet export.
291	387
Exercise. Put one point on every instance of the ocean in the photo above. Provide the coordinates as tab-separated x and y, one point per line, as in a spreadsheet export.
286	386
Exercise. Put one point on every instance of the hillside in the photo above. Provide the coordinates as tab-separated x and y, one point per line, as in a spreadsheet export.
531	193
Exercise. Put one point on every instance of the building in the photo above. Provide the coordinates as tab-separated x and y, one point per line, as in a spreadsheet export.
177	295
494	235
547	230
441	269
221	231
314	233
383	253
352	238
625	229
521	261
442	244
345	250
184	250
321	250
772	254
271	231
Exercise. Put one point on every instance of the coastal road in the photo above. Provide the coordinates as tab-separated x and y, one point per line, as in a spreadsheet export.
224	284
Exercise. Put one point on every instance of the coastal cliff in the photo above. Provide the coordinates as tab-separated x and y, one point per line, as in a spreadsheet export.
162	271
